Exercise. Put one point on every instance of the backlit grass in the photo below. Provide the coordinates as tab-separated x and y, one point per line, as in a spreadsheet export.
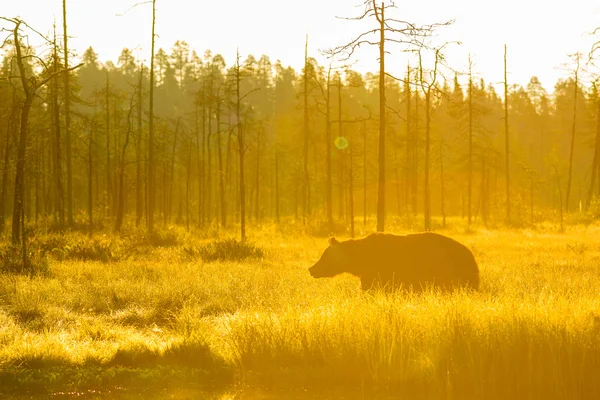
532	330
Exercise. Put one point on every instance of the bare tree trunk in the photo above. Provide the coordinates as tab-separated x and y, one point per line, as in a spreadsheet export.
306	189
242	150
57	160
415	181
595	162
90	175
172	172
507	149
222	203
258	155
398	183
408	176
277	217
201	158
470	167
122	193
187	187
443	192
18	220
531	192
381	183
573	130
351	189
208	191
560	198
427	206
5	167
68	120
328	178
109	191
151	185
139	212
364	174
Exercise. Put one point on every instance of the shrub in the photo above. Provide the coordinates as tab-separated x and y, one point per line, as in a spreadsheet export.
11	261
96	249
226	250
160	238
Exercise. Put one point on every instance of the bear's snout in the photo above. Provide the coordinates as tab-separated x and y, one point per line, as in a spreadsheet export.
316	271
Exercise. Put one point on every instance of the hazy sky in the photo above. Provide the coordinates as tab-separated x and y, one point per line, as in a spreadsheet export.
539	33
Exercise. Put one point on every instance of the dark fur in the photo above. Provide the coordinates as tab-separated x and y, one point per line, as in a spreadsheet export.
412	261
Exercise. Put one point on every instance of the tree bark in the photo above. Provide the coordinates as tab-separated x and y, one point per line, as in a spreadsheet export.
507	149
151	186
68	120
381	183
573	130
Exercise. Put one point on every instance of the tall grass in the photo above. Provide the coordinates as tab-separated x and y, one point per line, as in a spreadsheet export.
532	330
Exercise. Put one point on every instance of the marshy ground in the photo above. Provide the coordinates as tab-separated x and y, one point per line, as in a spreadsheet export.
176	316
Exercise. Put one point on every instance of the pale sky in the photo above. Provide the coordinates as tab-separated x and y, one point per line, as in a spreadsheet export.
539	33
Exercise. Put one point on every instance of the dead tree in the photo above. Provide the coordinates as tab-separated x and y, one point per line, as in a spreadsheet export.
306	133
241	143
121	192
429	88
59	201
573	130
399	32
30	86
68	120
507	149
596	161
151	183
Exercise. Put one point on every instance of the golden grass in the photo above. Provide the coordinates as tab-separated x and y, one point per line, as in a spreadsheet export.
532	331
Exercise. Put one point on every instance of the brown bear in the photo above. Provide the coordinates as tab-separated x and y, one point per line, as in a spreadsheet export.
389	261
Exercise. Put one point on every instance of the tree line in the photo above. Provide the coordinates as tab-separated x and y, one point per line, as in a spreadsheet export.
254	140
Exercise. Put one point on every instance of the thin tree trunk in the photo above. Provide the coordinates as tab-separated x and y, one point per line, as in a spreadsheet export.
57	161
172	172
242	149
573	130
109	191
122	194
381	182
306	189
222	204
427	206
151	186
18	221
443	192
187	187
470	167
277	217
257	210
67	120
328	178
5	167
351	189
138	156
364	175
507	149
90	175
409	142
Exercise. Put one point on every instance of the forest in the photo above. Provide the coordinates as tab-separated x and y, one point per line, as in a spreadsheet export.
159	214
309	140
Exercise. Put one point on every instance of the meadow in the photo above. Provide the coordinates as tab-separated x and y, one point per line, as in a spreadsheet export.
174	313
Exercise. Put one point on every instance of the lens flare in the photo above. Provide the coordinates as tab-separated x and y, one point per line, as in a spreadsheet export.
341	143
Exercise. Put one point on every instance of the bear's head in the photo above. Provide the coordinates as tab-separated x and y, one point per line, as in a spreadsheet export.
333	261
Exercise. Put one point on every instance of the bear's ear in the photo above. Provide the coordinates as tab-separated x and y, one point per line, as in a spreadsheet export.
333	241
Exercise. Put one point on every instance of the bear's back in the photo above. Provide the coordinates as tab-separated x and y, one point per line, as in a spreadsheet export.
416	258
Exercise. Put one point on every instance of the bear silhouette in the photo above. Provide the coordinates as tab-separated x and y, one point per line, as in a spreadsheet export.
413	262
